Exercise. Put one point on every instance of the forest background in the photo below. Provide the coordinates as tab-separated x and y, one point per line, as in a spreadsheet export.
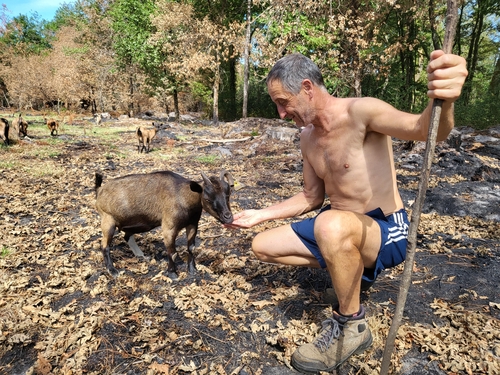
131	56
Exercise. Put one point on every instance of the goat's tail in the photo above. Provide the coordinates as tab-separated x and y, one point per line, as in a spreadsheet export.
98	181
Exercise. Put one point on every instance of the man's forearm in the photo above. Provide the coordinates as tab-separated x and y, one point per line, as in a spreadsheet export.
292	207
446	121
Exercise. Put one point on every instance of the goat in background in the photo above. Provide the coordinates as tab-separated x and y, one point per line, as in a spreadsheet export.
53	126
21	124
4	130
145	135
98	119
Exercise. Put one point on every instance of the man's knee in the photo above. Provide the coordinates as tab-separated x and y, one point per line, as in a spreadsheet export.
259	247
332	227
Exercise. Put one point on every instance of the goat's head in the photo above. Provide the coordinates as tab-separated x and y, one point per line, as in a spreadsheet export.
215	196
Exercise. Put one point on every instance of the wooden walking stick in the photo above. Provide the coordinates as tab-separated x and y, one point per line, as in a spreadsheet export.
451	25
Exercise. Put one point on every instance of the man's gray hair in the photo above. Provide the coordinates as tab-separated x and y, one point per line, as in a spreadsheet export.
292	69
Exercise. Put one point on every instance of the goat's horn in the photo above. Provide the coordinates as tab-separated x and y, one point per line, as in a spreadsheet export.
229	177
206	179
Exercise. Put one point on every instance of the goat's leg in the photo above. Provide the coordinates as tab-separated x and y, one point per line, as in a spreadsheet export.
191	237
139	144
169	236
129	237
108	230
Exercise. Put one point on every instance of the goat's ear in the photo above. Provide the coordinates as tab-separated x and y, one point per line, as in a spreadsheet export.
194	186
206	180
228	176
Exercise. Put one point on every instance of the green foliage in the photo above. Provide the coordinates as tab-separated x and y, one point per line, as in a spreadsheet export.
203	94
222	12
26	35
480	114
259	101
208	159
133	28
480	108
383	46
394	90
6	164
5	251
66	15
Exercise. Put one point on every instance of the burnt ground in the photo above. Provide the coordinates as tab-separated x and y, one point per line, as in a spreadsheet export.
61	313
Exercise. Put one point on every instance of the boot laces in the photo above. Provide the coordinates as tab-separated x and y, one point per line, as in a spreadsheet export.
331	330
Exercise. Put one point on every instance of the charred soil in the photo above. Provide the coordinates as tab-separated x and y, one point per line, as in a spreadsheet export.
61	312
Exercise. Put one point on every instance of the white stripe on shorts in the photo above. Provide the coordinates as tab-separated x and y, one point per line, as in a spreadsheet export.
399	231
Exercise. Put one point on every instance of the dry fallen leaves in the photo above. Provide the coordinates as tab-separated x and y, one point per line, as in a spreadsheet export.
59	307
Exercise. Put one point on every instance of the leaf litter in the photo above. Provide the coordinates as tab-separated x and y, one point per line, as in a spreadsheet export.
61	313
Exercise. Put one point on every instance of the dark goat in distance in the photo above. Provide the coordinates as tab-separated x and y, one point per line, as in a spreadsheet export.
145	135
53	126
4	130
21	124
138	203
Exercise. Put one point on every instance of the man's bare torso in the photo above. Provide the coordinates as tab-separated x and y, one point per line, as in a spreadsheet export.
355	164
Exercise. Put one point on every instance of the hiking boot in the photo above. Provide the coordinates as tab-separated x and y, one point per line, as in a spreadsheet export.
340	337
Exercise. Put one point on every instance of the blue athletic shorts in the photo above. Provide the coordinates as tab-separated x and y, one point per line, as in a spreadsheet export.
394	232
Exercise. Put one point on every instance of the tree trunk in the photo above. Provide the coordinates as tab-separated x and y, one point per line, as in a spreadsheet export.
410	63
436	42
216	95
494	86
472	56
176	105
130	105
458	39
407	31
232	87
246	57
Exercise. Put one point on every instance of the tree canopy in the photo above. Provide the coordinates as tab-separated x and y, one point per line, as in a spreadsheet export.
131	55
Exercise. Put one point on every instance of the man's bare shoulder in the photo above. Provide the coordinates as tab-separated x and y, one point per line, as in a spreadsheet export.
365	104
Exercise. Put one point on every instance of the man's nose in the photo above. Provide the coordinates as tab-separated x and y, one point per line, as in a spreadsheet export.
282	112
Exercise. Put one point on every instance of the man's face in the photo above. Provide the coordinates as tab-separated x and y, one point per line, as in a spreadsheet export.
290	106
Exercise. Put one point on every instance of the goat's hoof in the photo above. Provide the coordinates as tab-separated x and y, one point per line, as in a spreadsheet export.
144	259
172	275
114	272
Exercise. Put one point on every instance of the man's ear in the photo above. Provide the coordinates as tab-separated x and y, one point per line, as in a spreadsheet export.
307	85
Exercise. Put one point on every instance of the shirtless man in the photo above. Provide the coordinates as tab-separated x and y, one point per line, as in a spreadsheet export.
347	153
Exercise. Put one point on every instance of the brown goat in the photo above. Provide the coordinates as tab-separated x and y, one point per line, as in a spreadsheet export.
4	130
139	203
53	126
21	124
98	119
145	135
